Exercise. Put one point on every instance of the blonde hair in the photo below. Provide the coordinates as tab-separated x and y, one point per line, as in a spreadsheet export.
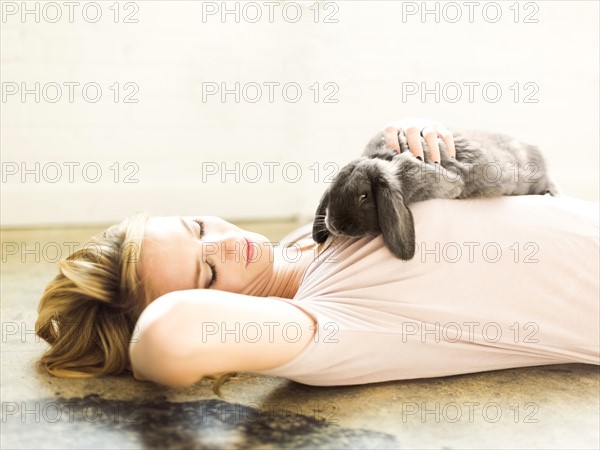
88	312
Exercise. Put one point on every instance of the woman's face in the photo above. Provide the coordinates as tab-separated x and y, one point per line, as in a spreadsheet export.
181	253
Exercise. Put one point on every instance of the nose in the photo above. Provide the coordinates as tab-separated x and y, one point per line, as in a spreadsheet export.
228	246
336	229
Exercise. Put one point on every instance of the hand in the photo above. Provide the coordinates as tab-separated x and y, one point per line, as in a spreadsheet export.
413	128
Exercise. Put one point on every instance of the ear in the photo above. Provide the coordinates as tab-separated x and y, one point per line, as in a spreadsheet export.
320	232
396	221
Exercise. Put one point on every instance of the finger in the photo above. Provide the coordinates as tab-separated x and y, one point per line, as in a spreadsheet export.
431	137
448	139
390	135
138	377
413	137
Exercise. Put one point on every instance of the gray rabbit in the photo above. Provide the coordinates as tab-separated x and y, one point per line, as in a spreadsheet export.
371	194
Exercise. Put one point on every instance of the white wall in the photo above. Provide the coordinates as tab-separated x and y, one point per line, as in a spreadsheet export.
372	55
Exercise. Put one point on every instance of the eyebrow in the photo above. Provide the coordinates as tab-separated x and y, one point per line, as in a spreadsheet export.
198	273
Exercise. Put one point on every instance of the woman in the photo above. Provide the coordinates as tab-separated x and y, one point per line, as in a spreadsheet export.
496	283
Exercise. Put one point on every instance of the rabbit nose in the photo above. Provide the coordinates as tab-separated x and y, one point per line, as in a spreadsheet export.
333	228
339	228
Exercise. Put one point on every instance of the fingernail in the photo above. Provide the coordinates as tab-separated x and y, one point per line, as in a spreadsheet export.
419	158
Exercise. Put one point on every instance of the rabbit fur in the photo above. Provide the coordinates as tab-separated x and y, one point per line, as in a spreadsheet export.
372	194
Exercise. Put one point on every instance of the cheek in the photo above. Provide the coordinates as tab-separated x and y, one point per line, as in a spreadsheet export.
236	277
261	262
230	279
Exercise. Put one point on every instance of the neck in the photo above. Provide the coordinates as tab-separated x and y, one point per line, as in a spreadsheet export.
289	265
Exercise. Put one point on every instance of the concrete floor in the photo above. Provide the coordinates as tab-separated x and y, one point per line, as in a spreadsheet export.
540	407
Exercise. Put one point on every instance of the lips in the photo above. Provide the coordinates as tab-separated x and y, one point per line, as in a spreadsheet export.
249	251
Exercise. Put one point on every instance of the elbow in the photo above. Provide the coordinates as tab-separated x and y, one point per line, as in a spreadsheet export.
161	355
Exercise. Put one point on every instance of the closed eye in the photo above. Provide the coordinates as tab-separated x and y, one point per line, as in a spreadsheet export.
213	278
201	225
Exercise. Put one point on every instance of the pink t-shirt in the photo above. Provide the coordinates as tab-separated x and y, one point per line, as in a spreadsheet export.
495	283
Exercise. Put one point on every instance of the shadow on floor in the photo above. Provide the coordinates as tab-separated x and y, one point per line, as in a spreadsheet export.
94	422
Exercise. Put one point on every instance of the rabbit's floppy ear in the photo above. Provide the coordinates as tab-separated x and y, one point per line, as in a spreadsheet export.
395	219
320	232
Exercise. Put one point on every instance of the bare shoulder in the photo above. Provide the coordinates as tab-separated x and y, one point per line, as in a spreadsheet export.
203	331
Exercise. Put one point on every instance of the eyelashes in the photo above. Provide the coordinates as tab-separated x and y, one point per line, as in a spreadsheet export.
201	224
213	279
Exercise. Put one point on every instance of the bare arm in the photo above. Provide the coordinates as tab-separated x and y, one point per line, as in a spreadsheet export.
185	335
